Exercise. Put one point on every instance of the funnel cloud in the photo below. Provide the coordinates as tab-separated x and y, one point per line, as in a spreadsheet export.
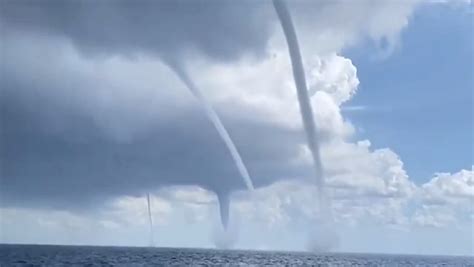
322	242
223	198
150	220
303	97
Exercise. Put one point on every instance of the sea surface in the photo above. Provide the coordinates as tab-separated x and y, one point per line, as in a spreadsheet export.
46	255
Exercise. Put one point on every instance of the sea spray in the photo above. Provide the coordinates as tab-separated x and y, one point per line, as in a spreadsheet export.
225	235
322	240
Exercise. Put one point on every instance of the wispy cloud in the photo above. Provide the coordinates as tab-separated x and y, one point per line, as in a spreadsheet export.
354	108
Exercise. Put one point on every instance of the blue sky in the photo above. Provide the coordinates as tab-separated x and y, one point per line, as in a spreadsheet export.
420	98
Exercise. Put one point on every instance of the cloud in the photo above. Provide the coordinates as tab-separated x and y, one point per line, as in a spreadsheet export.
214	28
177	28
328	26
452	2
335	75
447	188
285	207
111	127
364	184
92	119
122	222
354	108
108	127
446	200
397	203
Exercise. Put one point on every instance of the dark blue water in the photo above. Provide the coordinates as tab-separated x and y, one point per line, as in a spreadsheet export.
40	255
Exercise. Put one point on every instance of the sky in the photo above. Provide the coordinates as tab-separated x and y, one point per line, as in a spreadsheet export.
93	118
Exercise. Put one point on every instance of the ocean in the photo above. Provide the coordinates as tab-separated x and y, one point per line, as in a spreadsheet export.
48	255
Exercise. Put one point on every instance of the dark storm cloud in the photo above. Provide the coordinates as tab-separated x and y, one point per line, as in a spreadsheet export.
80	164
55	152
221	29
